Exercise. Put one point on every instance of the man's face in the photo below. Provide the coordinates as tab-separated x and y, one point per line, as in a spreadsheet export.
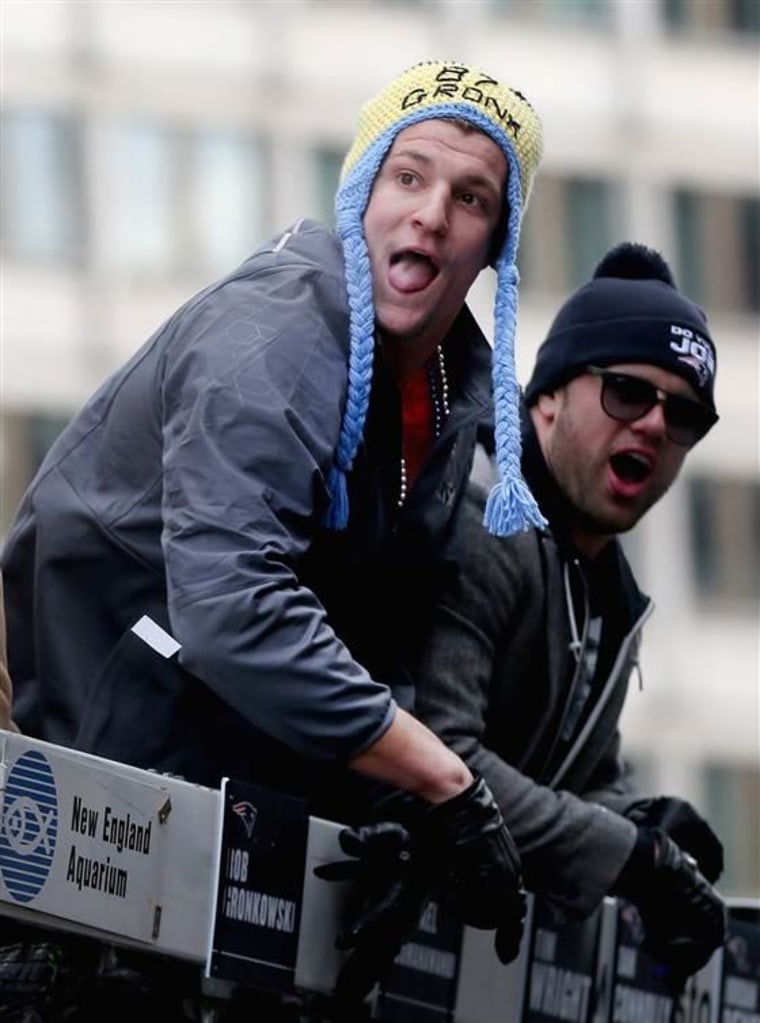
434	206
611	472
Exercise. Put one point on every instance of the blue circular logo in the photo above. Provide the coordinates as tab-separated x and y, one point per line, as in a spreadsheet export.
29	826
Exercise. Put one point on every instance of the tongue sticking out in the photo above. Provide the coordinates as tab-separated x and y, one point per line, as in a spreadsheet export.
411	272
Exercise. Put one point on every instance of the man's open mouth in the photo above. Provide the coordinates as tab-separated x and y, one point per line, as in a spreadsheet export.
631	466
411	271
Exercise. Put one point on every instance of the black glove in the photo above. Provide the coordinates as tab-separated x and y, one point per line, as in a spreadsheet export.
387	898
474	861
684	917
685	826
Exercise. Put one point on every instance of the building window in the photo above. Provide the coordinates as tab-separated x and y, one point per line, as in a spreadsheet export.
142	173
584	11
744	16
540	256
640	771
227	199
42	208
183	200
568	227
749	245
43	430
588	233
327	165
718	249
709	15
24	442
688	235
673	12
733	810
725	538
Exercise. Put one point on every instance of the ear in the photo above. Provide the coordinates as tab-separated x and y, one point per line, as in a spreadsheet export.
544	413
546	406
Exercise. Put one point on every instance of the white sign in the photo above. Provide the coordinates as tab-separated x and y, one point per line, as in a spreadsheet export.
81	842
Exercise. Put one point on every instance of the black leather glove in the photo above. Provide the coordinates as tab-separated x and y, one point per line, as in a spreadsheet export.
684	917
387	898
475	864
685	826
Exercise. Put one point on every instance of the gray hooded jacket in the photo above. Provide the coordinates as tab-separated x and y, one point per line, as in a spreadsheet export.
189	490
496	681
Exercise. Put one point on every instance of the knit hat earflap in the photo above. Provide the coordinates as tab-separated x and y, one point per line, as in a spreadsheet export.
449	90
630	311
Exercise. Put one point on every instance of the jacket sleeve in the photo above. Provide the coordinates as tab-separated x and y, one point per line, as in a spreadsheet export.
252	390
610	784
572	849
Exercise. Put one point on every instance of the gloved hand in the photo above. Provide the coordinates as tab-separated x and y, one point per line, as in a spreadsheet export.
474	861
684	917
387	898
685	826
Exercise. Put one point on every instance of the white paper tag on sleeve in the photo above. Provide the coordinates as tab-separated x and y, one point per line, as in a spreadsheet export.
156	637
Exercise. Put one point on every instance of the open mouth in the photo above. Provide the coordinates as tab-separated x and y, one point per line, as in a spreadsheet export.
631	467
412	271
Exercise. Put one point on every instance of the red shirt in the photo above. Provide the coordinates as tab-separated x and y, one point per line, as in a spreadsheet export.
416	422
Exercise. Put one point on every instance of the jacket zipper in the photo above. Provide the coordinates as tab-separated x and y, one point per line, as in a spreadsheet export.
604	696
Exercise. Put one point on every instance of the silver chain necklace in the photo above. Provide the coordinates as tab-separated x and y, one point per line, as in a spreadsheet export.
438	383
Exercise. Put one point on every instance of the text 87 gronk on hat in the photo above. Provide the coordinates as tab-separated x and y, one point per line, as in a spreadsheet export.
453	90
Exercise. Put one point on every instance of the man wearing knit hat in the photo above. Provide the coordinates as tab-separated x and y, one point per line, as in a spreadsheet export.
215	566
527	667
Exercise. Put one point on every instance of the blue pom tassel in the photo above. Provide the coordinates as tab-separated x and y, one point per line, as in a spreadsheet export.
511	508
336	516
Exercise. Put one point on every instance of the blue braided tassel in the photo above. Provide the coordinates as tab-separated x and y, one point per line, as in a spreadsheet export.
511	508
350	200
336	516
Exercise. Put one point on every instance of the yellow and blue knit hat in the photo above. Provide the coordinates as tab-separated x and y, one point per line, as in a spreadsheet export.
453	90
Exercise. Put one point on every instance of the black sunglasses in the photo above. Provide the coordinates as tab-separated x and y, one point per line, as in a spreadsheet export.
627	398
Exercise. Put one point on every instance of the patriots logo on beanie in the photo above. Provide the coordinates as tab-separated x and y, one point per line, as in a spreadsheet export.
454	90
630	311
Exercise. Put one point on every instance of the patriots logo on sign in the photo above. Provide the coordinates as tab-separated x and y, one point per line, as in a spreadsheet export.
247	813
630	914
739	951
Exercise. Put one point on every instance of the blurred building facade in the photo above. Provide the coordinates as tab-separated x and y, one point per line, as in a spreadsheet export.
148	147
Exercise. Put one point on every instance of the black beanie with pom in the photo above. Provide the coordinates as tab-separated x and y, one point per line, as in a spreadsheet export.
630	311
